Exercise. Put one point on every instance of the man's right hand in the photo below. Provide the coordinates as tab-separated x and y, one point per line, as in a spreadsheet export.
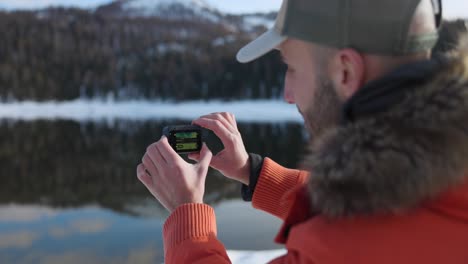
233	161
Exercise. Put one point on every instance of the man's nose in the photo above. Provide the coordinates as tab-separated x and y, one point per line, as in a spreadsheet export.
288	95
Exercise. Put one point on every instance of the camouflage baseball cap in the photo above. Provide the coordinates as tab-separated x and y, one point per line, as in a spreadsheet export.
370	26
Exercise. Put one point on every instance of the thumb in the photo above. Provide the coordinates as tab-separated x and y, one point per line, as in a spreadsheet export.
205	157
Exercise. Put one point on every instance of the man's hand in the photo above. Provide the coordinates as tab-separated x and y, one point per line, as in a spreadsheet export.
170	179
233	161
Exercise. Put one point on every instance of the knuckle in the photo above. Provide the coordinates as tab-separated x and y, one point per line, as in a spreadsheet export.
202	122
233	137
159	145
147	158
150	147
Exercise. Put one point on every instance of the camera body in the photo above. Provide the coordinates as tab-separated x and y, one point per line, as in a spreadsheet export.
186	139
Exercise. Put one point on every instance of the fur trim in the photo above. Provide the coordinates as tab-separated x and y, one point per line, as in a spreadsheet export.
397	159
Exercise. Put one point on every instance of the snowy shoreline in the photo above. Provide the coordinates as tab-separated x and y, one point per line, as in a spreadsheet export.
254	257
261	111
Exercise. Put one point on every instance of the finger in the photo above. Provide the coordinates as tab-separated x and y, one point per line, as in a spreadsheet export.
226	119
205	156
215	160
222	117
204	164
218	161
168	152
231	119
156	157
194	156
217	118
149	165
144	177
141	169
218	128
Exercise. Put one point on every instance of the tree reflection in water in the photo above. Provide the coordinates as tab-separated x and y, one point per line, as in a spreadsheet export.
69	164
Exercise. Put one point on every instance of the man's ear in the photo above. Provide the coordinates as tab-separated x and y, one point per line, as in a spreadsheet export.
348	72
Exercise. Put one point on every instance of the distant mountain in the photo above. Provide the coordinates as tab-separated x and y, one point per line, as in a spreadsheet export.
159	49
186	10
168	9
258	21
170	50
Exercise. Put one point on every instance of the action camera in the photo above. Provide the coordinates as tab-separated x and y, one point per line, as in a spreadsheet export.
188	139
184	139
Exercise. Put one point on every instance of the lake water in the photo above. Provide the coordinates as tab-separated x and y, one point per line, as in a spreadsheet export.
69	193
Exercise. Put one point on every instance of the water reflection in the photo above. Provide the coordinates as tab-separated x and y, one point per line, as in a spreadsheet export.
68	191
80	235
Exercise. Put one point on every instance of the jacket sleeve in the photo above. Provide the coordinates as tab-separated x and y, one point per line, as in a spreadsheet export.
190	231
190	236
272	185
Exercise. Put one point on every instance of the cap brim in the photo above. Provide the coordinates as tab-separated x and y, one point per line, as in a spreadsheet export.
260	46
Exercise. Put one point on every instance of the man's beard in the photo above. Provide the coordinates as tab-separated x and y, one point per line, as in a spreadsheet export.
325	111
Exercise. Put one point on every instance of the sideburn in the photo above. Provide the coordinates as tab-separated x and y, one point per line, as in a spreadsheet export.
325	110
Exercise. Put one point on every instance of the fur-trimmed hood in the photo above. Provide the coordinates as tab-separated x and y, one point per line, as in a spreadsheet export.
392	156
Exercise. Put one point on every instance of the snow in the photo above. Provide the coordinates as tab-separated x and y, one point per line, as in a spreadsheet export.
199	8
252	21
151	4
223	40
254	257
164	48
262	111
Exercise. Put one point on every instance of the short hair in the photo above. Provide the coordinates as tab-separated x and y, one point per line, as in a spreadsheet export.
449	36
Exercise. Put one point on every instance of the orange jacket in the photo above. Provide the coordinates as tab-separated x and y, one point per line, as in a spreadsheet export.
434	233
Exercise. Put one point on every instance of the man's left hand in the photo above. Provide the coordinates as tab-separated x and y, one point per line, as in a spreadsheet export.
170	179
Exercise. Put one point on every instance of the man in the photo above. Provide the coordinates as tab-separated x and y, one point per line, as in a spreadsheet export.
389	156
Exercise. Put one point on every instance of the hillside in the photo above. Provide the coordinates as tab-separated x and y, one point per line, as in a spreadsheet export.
177	50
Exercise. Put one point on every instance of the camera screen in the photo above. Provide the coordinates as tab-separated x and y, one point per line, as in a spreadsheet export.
186	135
187	146
186	141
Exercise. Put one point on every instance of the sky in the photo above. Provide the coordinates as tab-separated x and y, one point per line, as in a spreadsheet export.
452	8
